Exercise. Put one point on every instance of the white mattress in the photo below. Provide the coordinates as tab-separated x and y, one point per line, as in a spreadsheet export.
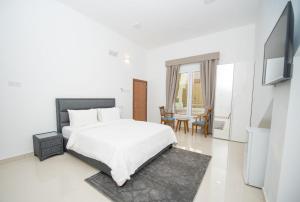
123	145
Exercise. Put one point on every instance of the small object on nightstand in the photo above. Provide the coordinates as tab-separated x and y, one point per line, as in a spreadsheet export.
47	144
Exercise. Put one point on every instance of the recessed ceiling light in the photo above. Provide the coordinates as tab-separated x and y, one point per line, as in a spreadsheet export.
137	25
113	53
218	182
126	59
208	1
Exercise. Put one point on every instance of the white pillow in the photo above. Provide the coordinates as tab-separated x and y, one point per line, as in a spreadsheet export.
82	117
108	114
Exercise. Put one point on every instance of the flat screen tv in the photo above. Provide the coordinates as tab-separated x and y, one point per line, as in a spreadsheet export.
278	50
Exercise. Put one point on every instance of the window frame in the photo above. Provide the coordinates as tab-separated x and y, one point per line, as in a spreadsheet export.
189	69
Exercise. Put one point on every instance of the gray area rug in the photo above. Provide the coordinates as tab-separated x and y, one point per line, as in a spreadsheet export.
174	176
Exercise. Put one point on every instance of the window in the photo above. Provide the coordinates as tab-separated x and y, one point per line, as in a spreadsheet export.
197	99
182	94
189	100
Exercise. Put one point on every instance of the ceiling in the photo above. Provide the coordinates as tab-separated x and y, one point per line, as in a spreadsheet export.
155	23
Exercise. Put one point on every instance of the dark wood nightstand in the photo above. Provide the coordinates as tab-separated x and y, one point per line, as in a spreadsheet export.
47	144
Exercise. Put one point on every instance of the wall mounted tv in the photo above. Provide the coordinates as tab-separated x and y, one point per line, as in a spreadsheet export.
278	51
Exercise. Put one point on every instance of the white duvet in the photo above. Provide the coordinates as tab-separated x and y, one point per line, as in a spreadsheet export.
123	145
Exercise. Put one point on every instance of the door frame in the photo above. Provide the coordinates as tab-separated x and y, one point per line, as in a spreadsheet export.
133	102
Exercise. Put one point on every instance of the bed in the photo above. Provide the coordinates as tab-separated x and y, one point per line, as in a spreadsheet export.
118	148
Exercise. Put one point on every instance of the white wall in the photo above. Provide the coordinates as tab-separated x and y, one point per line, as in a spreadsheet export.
263	96
235	46
47	51
276	141
269	14
289	182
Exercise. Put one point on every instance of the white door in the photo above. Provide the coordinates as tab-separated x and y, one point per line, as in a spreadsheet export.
223	97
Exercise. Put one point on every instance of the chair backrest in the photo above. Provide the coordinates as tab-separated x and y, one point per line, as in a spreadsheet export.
162	110
208	112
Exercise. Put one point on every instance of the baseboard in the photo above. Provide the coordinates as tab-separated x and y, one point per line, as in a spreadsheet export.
265	195
15	158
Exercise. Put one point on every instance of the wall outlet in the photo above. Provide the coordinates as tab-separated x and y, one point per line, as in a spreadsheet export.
15	84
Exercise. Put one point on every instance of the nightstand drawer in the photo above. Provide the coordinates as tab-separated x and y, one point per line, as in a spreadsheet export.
58	149
50	143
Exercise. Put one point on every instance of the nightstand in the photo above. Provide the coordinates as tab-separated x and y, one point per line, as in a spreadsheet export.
47	144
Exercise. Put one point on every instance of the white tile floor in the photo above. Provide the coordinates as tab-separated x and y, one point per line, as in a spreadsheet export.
223	181
61	178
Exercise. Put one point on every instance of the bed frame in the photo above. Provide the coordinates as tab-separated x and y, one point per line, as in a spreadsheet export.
62	117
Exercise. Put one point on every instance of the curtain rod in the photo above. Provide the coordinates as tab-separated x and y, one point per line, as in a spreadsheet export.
193	59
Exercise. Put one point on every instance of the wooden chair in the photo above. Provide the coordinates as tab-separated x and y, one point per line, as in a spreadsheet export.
166	118
203	121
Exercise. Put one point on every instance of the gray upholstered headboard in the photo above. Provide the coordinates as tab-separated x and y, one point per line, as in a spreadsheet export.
63	104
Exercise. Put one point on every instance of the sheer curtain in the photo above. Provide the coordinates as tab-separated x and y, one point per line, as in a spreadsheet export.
172	77
208	70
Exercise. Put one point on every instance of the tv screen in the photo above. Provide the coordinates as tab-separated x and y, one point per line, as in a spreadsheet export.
278	50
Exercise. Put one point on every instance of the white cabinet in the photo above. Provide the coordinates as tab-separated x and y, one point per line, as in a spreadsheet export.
256	151
241	100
